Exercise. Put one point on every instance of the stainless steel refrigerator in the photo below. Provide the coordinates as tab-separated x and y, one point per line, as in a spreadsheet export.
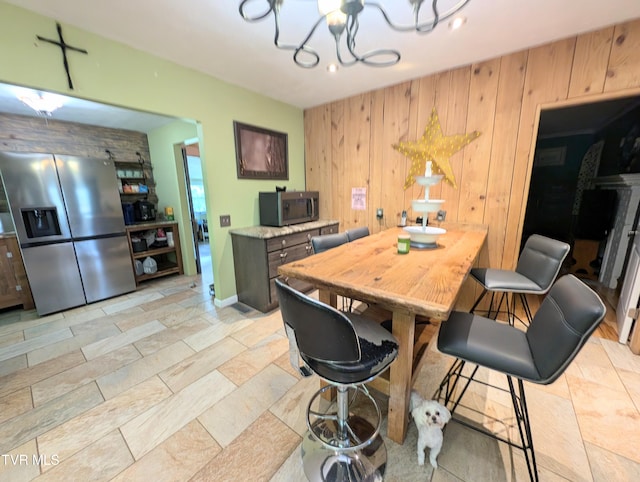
69	223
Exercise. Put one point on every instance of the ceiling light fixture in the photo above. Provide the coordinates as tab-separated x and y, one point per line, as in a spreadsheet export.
457	22
342	19
44	103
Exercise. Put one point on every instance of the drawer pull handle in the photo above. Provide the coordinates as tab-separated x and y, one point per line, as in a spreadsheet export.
284	241
308	237
283	255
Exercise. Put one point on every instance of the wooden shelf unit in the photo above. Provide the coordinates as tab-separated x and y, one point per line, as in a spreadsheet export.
168	259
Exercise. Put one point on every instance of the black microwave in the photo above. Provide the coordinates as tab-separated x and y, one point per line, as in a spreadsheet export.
285	208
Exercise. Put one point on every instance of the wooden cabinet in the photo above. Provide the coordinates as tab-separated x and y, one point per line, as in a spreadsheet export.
14	286
168	257
259	251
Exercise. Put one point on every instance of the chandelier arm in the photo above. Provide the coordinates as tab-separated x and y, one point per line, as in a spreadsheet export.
367	57
272	4
425	27
298	49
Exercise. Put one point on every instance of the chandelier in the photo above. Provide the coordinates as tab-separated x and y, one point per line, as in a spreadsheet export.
342	19
44	103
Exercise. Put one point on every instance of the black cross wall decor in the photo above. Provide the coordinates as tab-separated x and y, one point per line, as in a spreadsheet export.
64	47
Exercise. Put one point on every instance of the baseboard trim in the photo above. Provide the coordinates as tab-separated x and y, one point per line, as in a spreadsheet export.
226	302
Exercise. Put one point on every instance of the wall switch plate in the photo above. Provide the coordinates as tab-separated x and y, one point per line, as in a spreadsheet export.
441	215
225	220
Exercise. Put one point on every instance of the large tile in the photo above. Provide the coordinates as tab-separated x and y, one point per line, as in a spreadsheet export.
556	435
215	333
11	338
12	326
66	322
130	320
607	466
155	342
34	343
21	429
227	419
100	461
247	459
45	354
291	469
621	356
191	369
72	436
102	347
153	427
15	404
19	465
13	365
133	302
32	375
607	418
292	407
244	366
177	458
167	300
121	379
82	374
260	329
631	382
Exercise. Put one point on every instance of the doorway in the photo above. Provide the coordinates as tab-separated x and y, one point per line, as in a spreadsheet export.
196	198
579	189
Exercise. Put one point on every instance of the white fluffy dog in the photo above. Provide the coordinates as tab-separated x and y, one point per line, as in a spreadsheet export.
430	418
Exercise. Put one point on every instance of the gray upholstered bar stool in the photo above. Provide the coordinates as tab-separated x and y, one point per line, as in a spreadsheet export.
357	233
538	265
560	328
345	350
327	241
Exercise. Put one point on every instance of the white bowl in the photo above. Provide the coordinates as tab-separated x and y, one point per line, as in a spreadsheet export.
430	206
429	180
427	235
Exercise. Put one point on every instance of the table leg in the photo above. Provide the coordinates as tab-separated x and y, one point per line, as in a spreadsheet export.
400	378
328	298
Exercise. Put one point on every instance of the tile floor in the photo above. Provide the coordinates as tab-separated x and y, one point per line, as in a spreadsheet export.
160	385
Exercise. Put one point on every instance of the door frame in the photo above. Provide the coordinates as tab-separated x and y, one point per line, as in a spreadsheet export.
185	148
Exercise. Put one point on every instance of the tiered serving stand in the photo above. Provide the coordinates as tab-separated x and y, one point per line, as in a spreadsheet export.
426	237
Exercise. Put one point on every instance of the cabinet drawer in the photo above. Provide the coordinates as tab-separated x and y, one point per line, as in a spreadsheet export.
291	239
329	229
284	256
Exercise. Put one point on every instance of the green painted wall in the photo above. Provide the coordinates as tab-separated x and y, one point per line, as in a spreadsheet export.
116	74
165	149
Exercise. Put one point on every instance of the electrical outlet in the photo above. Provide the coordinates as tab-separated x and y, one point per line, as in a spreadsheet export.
441	215
225	220
379	213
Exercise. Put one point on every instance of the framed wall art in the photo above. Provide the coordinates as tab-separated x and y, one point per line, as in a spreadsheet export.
260	153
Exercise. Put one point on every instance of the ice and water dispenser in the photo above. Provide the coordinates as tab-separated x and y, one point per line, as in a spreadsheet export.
41	222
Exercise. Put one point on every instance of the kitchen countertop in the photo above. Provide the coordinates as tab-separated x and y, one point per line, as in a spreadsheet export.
266	232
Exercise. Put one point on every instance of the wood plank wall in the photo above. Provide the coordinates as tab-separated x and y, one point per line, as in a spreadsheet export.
46	135
348	142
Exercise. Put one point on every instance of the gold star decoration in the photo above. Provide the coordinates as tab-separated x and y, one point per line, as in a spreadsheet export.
433	146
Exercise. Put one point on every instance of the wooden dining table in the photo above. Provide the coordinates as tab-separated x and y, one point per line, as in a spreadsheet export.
422	282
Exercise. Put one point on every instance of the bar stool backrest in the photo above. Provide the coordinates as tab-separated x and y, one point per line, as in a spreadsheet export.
569	314
541	260
321	331
327	241
357	233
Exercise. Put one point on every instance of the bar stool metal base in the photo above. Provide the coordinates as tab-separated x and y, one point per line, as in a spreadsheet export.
341	446
337	465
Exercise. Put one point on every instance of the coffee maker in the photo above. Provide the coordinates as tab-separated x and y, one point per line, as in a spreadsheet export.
144	211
